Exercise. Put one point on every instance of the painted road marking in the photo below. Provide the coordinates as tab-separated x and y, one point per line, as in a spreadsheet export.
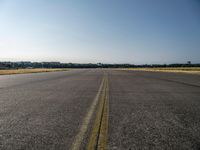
80	136
99	134
103	135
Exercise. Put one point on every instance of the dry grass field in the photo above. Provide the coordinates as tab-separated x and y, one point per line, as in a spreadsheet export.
191	70
23	71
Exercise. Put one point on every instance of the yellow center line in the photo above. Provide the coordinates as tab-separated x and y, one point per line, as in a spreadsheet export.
103	134
80	136
99	134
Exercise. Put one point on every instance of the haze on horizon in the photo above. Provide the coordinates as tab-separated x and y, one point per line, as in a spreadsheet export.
114	31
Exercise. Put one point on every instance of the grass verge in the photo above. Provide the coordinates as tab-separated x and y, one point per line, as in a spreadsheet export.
24	71
190	70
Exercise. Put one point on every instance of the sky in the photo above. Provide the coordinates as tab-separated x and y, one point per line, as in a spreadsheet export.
106	31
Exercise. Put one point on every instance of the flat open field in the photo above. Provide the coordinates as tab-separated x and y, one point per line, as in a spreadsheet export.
191	70
23	71
125	109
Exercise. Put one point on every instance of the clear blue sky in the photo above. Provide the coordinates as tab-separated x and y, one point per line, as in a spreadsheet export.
107	31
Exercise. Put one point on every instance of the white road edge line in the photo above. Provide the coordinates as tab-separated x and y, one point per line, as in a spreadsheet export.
79	137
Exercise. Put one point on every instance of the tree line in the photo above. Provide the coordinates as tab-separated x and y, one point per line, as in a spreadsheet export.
19	65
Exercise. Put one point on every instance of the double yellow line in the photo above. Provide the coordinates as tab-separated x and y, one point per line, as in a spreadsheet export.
99	133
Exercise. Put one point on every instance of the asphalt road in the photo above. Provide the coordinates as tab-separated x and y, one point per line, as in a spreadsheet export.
147	110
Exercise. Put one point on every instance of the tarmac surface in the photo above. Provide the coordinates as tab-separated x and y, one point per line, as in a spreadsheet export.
147	110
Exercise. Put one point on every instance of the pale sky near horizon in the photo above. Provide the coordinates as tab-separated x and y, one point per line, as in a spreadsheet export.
106	31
